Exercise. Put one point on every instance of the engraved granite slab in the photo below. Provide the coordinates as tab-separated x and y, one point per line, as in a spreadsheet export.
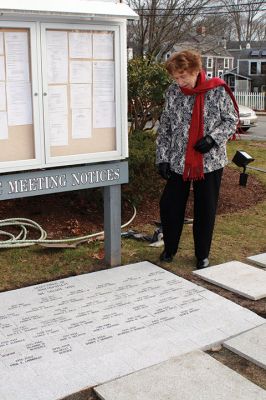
195	375
250	345
238	277
259	259
66	335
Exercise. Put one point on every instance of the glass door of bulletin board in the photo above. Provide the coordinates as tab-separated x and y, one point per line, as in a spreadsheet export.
19	97
81	79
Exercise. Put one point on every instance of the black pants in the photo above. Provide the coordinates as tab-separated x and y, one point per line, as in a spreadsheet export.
173	205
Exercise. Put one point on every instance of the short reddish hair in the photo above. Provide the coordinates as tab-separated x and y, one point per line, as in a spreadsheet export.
186	60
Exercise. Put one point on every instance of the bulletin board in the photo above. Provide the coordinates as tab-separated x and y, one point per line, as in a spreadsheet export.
81	95
16	115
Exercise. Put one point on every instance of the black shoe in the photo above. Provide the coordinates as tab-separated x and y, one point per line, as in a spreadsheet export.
166	257
203	263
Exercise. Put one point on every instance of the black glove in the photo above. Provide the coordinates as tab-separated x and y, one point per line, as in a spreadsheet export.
164	170
205	144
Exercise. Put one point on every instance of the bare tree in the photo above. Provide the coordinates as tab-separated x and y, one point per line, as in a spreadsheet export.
218	25
161	24
248	18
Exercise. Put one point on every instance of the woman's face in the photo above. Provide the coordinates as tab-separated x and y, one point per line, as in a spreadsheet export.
186	79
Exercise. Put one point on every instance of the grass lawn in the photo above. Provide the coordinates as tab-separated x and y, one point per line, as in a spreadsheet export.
236	236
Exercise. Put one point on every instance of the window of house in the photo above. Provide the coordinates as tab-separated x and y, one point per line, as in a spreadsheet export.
226	63
209	62
263	68
209	74
253	68
220	73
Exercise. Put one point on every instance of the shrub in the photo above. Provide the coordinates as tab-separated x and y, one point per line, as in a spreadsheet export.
143	177
147	82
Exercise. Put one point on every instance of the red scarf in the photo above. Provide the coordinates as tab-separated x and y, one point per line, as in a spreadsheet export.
194	160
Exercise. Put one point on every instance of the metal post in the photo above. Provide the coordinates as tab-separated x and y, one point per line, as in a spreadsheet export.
112	225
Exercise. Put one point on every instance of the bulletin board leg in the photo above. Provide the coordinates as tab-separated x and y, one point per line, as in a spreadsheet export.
112	225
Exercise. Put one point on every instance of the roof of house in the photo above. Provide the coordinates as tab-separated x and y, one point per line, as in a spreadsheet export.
251	54
208	45
236	45
238	75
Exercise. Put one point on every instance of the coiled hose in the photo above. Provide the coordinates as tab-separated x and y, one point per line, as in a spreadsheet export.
20	240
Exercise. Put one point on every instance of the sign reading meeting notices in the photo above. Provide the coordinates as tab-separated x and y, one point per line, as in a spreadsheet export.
35	183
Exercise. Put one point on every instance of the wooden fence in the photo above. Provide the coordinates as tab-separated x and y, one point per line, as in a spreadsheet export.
254	100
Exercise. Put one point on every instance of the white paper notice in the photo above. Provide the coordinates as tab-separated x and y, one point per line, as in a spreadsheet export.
57	115
1	43
103	71
103	46
19	103
104	115
80	71
3	126
80	96
103	81
2	69
17	56
103	91
57	56
80	45
81	123
2	96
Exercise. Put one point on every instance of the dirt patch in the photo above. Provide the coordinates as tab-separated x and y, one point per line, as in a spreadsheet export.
78	213
233	197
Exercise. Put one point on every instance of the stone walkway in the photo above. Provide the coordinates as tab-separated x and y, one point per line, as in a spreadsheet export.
191	376
83	331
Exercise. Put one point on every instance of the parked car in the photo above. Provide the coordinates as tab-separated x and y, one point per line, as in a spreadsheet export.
248	117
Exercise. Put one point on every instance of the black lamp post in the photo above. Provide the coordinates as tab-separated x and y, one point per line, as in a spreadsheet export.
242	159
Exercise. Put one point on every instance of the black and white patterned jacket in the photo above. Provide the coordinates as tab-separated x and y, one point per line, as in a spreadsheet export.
220	120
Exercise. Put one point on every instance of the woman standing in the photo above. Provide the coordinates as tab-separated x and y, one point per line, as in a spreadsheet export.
199	117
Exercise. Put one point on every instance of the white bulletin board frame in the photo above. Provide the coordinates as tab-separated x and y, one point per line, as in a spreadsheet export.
38	61
120	95
36	90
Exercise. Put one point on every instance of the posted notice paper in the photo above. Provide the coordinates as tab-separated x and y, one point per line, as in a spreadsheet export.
80	45
17	56
2	69
3	125
103	46
104	114
103	71
103	81
19	103
58	115
57	56
81	123
80	95
2	96
1	42
80	71
103	91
